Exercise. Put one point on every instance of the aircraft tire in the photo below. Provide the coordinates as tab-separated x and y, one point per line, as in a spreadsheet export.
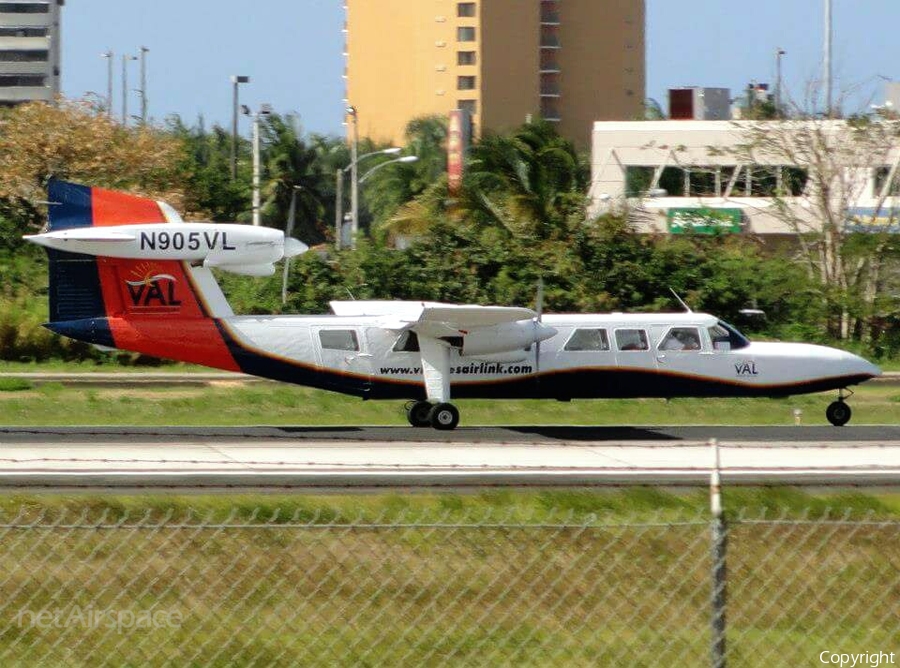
418	413
444	417
838	413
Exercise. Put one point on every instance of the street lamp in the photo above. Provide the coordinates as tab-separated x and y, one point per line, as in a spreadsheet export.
779	52
405	159
125	59
354	174
264	110
110	56
144	51
339	190
235	81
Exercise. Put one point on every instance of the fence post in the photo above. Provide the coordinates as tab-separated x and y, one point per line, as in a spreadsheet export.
719	547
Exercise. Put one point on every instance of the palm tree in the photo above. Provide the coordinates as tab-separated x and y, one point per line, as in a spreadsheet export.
531	182
290	163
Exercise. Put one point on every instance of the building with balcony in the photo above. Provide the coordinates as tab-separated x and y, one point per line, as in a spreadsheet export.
571	62
29	50
692	176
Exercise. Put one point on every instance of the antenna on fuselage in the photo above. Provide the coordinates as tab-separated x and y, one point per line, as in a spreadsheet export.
687	308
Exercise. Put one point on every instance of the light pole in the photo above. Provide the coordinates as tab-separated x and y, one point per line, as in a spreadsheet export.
264	110
779	52
125	59
235	81
404	159
144	51
827	59
110	56
354	174
339	188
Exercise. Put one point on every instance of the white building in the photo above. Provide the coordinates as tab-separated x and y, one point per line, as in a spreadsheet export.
29	50
678	174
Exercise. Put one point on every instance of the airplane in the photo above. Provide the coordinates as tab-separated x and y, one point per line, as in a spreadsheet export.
119	280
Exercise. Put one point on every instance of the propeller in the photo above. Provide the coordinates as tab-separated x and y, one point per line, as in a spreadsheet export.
539	308
292	246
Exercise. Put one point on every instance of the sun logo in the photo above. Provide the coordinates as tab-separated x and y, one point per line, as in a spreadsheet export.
146	287
146	273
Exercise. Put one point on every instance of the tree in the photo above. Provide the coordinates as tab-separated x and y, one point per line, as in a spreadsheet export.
70	141
531	182
839	159
291	163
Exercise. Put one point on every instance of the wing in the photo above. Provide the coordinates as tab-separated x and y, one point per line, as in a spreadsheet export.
432	318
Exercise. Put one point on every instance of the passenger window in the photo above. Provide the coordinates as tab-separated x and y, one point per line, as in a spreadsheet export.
632	339
588	339
681	338
338	339
407	343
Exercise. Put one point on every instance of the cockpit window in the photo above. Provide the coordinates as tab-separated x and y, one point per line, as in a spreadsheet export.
681	338
726	337
588	339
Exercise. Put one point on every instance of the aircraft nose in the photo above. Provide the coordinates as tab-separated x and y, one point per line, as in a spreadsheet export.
854	365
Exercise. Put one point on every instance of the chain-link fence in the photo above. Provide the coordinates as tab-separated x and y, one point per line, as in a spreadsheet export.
159	589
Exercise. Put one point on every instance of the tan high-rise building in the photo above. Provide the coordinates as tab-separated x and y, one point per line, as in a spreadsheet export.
572	62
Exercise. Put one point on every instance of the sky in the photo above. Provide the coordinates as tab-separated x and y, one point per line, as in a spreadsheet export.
292	50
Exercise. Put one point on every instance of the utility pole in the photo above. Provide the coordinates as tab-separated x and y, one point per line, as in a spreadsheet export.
235	81
125	59
110	56
354	178
827	59
256	169
338	207
144	51
779	52
264	110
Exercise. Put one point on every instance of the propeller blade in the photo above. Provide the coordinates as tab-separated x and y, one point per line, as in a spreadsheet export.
539	308
289	249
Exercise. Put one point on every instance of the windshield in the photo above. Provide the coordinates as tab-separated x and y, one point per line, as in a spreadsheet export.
726	337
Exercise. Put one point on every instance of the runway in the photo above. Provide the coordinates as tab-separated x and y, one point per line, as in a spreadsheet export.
376	457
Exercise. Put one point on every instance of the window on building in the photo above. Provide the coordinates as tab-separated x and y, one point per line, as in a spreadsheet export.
469	106
24	8
29	80
632	339
881	176
18	31
465	57
465	9
465	34
585	339
22	56
681	338
465	83
338	339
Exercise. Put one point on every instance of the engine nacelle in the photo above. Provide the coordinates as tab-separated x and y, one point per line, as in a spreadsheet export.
506	338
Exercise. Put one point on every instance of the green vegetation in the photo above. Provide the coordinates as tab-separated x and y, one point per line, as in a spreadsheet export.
236	403
519	215
549	578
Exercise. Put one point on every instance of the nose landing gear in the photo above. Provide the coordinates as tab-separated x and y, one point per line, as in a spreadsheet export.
838	412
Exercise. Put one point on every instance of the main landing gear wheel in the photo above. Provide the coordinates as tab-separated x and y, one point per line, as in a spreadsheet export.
838	413
444	417
419	413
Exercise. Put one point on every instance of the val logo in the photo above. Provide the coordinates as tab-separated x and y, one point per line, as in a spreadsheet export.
150	288
746	369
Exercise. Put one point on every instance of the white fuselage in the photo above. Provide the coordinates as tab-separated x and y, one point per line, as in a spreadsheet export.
361	352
